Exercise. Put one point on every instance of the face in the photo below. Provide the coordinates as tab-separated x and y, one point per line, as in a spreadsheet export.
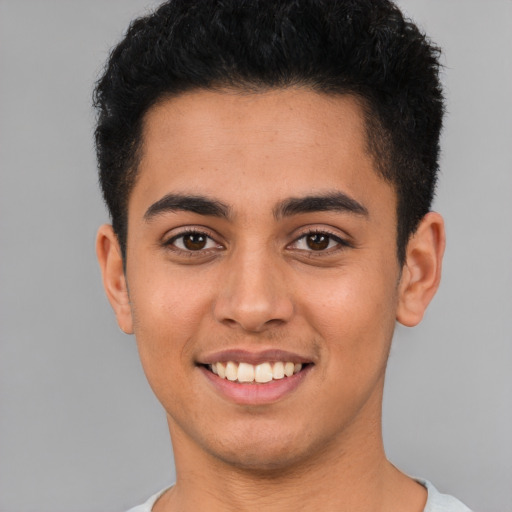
262	247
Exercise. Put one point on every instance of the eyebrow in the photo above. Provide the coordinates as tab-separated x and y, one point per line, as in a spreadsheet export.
188	203
333	201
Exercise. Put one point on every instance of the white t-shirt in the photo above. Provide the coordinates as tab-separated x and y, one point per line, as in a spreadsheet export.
436	502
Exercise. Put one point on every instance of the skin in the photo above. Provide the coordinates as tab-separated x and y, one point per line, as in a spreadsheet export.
258	285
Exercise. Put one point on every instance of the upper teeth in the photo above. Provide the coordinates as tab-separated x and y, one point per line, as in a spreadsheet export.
264	372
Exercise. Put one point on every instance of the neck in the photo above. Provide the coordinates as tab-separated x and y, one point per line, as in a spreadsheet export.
352	474
309	486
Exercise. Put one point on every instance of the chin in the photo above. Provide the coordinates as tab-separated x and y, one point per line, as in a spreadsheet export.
265	453
263	463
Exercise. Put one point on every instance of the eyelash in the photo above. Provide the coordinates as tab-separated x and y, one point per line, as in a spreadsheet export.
171	243
340	242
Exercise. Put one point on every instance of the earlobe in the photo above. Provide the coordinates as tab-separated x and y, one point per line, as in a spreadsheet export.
421	273
114	279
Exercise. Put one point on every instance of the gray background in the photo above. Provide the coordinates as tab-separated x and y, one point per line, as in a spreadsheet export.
79	427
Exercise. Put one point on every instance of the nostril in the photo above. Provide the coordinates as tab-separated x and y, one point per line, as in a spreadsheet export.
254	326
253	317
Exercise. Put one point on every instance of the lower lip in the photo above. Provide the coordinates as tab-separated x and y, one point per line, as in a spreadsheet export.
254	393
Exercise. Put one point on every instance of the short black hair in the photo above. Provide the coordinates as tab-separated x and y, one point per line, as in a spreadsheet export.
365	48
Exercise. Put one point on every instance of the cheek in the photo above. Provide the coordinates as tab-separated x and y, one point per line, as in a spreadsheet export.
166	312
167	309
355	311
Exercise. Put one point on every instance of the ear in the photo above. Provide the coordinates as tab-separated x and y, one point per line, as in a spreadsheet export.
421	273
114	279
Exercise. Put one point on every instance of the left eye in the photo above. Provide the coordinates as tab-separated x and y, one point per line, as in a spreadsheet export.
317	241
194	241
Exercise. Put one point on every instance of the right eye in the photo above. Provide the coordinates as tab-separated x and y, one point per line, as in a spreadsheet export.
193	241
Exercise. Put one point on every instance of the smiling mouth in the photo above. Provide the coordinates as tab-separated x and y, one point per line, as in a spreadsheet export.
246	373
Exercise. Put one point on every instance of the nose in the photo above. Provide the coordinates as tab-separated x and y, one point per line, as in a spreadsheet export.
254	295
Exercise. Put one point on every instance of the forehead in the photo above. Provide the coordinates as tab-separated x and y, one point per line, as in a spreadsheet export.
255	148
297	117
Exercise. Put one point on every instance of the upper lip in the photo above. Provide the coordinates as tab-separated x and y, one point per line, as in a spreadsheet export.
254	358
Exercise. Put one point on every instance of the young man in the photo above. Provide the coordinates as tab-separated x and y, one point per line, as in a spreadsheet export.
269	169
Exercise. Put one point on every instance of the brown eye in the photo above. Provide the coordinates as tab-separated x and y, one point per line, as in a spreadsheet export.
194	241
318	241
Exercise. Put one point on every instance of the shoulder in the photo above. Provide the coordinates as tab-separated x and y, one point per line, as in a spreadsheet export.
437	502
148	505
